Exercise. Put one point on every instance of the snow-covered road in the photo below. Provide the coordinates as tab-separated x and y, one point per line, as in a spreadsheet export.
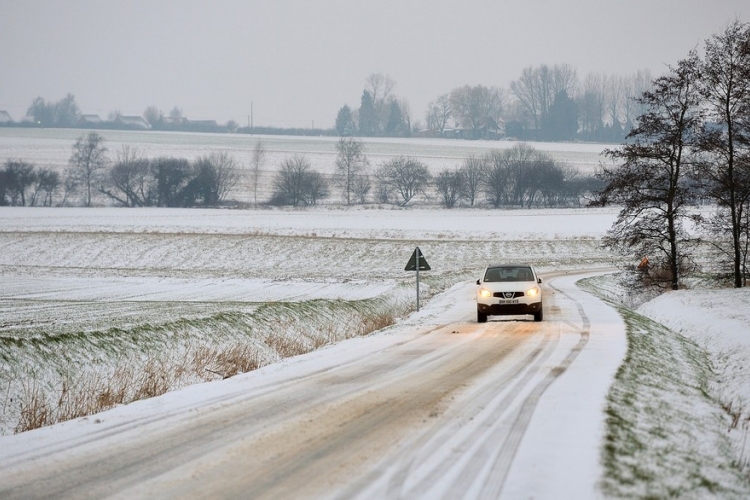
437	406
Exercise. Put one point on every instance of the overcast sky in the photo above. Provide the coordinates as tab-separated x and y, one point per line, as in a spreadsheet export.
299	61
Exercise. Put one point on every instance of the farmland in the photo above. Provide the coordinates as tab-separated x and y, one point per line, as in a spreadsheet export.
89	293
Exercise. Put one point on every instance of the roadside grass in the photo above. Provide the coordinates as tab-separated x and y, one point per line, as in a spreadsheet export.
88	372
666	433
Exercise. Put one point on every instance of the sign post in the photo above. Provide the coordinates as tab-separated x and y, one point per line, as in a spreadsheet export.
417	263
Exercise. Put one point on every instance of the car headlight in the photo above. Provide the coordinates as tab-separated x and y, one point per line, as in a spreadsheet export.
532	292
484	293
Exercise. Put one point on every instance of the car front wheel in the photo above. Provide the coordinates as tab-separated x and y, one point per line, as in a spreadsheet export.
481	317
539	316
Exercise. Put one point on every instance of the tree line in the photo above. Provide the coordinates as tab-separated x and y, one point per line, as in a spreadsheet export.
131	180
517	177
546	103
691	146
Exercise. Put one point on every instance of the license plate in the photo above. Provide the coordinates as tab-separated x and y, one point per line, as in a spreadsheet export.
508	301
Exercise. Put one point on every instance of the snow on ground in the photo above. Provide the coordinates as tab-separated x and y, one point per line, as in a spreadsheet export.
170	263
149	289
170	277
718	319
358	222
538	459
719	322
560	454
52	147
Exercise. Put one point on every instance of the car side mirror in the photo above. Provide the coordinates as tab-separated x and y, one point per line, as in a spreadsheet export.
479	282
539	280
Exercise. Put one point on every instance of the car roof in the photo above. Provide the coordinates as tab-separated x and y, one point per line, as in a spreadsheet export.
494	266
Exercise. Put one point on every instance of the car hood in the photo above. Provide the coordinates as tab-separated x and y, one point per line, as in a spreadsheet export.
508	286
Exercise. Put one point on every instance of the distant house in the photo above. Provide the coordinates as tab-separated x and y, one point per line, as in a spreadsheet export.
489	129
201	126
5	117
174	121
85	120
203	123
132	122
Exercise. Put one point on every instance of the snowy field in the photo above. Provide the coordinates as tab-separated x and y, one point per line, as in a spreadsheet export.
52	147
92	296
84	291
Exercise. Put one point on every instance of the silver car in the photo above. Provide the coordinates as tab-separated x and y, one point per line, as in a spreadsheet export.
509	289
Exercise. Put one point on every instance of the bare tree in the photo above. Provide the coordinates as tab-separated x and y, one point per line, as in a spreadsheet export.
537	87
130	182
70	185
405	176
316	188
153	115
614	98
351	164
405	115
172	176
526	91
474	171
66	111
297	184
565	79
477	107
257	162
380	87
591	106
46	184
543	180
361	187
63	113
214	177
505	182
726	173
438	113
86	162
652	183
636	85
450	185
19	176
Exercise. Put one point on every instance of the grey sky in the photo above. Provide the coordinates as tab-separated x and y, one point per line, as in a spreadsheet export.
299	61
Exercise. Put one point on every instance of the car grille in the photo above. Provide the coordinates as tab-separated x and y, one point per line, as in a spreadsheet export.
508	295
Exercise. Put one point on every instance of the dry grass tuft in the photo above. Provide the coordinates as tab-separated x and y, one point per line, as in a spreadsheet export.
375	322
92	392
226	362
287	345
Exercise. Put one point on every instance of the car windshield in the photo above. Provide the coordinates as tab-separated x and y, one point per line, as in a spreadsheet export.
520	273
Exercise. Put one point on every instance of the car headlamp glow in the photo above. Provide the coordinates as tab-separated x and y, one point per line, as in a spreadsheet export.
532	292
484	293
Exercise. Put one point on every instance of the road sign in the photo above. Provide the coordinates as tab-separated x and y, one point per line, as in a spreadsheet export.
412	264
